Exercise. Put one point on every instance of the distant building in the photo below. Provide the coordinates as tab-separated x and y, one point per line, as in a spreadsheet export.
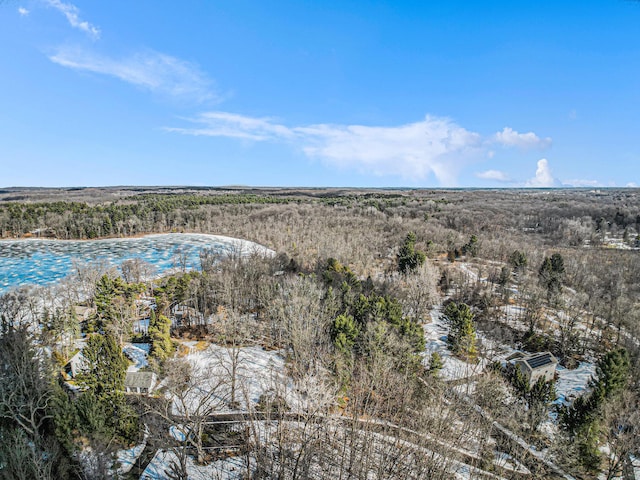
182	315
75	365
535	366
141	383
83	313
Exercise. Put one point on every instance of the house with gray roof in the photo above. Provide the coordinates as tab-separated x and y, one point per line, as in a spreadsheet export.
141	383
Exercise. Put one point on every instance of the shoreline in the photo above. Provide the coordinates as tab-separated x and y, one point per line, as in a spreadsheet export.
138	236
150	242
108	237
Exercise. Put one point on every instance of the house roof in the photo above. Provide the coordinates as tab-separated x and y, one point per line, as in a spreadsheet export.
77	362
83	312
139	380
515	356
538	360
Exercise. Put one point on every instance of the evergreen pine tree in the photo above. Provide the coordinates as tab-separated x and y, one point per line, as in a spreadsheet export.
551	275
435	364
160	334
408	257
345	332
462	335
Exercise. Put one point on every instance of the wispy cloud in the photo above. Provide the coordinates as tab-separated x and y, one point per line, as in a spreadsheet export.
495	175
511	138
72	13
23	11
150	70
224	124
544	177
412	151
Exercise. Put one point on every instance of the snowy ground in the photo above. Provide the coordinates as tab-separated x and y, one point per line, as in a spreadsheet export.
227	469
435	334
126	458
258	372
137	352
573	383
235	467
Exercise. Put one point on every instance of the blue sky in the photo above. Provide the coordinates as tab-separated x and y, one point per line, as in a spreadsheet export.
300	93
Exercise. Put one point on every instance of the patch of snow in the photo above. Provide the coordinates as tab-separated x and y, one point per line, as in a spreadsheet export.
178	433
635	461
573	383
228	469
257	371
506	461
435	334
126	458
137	352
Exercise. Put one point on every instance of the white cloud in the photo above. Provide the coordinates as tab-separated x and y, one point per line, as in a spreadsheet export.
412	151
153	71
496	175
224	124
72	13
543	177
511	138
632	185
23	11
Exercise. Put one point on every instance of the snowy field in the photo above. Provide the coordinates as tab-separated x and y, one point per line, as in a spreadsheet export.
257	372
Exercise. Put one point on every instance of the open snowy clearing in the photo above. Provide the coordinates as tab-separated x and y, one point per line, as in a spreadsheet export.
257	372
435	335
573	383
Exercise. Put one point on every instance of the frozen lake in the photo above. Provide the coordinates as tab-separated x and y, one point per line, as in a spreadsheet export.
44	262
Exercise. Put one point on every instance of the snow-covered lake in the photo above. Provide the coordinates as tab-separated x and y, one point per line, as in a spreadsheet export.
44	262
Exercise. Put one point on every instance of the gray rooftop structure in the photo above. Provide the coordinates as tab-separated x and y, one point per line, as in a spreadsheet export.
140	382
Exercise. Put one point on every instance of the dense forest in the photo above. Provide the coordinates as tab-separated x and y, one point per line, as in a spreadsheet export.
361	288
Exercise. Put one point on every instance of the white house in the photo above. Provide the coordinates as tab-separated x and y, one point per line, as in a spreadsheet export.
537	365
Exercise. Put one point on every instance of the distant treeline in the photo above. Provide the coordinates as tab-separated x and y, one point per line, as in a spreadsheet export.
145	213
569	217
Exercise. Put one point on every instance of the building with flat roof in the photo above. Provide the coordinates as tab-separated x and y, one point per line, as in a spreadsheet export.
535	366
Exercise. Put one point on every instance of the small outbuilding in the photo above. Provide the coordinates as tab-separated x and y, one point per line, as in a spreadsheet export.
537	365
141	383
